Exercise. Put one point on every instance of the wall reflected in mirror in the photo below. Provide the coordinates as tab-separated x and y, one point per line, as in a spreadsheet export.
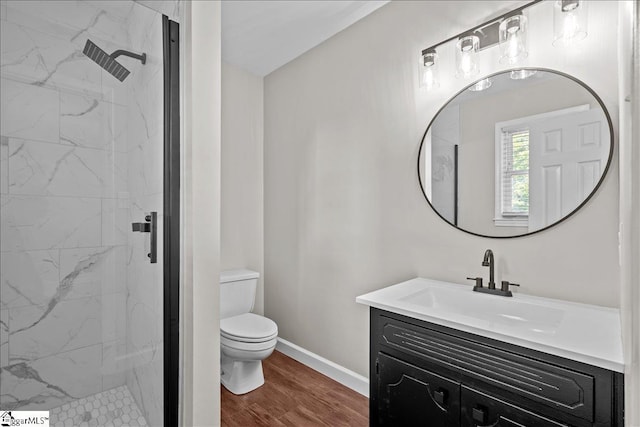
515	153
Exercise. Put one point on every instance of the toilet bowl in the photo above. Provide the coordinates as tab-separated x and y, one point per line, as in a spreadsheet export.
245	338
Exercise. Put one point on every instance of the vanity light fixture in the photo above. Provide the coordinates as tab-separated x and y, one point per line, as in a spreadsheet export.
429	78
513	39
467	56
521	74
481	85
509	30
569	22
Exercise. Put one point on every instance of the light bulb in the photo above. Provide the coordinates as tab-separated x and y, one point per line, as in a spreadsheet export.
569	22
521	74
466	65
512	48
467	56
428	80
481	85
429	70
512	35
570	26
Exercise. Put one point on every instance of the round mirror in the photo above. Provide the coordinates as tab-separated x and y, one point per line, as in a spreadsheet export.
515	153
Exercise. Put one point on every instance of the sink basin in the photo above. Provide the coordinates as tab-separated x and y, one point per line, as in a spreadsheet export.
497	310
582	332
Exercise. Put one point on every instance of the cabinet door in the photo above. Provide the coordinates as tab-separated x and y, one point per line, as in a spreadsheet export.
412	396
480	409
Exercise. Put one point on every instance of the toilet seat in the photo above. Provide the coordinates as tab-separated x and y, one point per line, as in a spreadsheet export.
252	347
248	328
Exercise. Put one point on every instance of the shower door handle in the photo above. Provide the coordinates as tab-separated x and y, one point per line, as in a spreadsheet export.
149	226
143	227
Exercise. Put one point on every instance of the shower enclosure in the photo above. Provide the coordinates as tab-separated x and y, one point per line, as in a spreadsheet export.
88	324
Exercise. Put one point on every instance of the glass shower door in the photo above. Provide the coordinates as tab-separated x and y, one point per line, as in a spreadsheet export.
81	305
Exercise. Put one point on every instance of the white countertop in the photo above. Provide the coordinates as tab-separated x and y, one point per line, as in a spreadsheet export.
585	333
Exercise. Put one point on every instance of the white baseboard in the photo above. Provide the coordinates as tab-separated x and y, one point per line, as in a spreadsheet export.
326	367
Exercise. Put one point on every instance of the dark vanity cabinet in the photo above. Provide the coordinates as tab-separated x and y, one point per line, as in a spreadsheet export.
424	374
415	396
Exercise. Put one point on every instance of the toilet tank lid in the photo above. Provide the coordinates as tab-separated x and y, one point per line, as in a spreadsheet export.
237	275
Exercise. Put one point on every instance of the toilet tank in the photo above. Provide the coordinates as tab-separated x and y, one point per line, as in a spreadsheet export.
237	292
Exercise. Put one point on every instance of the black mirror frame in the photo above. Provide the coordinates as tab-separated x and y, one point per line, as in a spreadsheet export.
570	214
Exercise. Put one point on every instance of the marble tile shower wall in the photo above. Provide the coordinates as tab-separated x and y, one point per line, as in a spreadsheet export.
144	339
69	132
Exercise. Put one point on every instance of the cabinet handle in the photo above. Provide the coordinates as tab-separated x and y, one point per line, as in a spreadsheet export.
440	396
479	415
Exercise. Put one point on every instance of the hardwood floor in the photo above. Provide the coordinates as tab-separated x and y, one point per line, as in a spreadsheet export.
294	395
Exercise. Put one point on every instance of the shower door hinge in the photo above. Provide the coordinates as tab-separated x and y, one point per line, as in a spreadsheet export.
149	226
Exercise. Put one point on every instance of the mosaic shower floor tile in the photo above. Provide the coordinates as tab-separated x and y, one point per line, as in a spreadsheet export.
111	408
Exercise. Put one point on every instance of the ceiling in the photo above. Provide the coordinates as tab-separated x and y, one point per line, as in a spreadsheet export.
261	36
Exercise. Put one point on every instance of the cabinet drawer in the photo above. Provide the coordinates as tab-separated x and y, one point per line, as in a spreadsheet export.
411	396
481	409
553	386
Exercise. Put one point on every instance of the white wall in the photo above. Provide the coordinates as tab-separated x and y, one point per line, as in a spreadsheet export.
629	41
344	213
242	201
200	385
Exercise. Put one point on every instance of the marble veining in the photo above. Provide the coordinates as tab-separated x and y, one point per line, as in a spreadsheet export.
4	337
51	381
29	277
54	169
41	59
30	223
86	28
66	285
40	331
47	45
4	164
171	8
85	121
25	372
71	57
145	383
101	265
31	53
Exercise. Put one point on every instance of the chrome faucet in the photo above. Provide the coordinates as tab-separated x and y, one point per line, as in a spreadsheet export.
488	262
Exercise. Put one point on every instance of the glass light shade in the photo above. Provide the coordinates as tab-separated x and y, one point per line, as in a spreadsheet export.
481	85
512	34
429	76
467	57
521	74
569	22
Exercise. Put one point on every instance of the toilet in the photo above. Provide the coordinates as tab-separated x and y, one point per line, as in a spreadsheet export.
245	338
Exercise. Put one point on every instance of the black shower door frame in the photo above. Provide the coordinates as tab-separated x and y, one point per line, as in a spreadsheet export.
171	190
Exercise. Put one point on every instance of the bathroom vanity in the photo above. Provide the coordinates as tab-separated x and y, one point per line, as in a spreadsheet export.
442	355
